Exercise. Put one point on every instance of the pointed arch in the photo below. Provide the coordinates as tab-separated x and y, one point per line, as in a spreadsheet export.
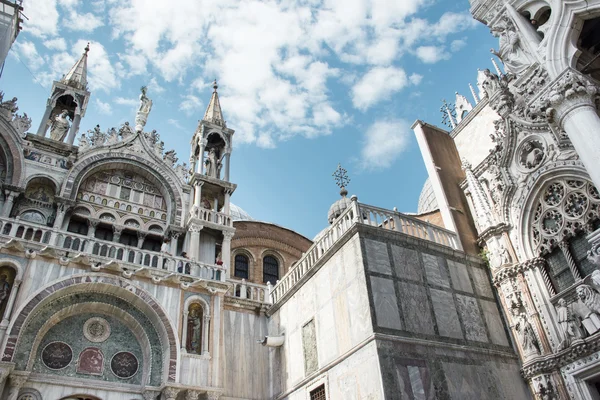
11	151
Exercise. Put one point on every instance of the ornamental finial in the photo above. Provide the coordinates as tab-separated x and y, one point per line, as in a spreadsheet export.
341	179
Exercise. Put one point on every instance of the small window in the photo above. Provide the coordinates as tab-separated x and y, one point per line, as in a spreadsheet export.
104	233
318	393
125	192
241	266
270	270
78	226
128	239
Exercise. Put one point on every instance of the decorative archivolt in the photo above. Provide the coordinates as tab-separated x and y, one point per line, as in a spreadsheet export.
564	207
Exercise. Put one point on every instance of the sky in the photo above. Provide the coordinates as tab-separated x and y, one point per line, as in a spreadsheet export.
305	84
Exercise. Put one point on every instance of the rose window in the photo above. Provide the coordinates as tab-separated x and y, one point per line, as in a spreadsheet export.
565	208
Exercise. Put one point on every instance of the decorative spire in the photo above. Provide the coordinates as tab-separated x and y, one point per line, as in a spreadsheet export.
448	114
77	76
474	94
341	179
213	111
483	211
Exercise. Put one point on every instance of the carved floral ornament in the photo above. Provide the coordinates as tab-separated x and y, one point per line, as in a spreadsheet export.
565	207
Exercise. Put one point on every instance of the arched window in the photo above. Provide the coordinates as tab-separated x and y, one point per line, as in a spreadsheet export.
270	269
78	226
241	266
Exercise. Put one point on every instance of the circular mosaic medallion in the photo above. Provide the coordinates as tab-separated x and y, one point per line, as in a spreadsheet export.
57	355
96	329
124	364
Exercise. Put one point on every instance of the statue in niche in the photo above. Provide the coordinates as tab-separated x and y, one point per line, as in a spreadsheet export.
7	278
194	327
4	289
527	336
60	126
511	51
569	324
504	255
213	164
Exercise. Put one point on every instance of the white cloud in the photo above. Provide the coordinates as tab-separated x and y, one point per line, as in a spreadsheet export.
383	142
127	102
431	54
175	123
376	85
28	53
87	22
457	45
190	104
56	44
103	108
42	17
415	79
155	87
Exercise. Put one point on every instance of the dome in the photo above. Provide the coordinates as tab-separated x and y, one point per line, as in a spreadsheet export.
338	208
427	200
238	214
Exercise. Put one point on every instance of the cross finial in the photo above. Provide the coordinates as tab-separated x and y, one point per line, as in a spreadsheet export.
87	48
341	179
215	85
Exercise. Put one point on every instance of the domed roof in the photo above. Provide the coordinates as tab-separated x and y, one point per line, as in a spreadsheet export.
238	214
427	200
338	207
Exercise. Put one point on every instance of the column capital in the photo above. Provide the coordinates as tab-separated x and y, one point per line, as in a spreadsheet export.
141	234
228	235
93	223
198	183
170	393
150	394
117	229
195	228
213	395
569	91
192	394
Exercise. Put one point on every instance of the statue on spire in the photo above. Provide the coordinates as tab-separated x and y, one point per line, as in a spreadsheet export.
60	126
142	114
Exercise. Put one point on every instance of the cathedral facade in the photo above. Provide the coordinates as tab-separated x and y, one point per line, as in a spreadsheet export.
127	275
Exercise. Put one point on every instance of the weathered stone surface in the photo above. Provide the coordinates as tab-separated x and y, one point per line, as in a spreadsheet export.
445	314
416	308
435	270
494	323
386	305
460	277
469	312
377	257
406	262
482	282
309	344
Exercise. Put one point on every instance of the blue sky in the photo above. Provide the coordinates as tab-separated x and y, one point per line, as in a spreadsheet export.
305	84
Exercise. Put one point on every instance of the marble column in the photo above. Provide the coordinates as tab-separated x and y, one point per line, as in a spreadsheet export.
117	230
15	383
74	127
198	193
192	394
92	224
184	331
141	236
61	210
8	203
213	395
11	301
44	121
227	164
174	242
205	333
226	253
200	166
227	201
194	247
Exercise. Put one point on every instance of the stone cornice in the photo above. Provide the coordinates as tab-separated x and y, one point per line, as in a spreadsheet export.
494	230
512	270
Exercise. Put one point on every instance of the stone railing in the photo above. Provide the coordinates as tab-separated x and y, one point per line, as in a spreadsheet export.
250	291
211	216
399	222
358	213
80	244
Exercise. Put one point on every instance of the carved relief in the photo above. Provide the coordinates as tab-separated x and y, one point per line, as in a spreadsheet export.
96	329
569	323
124	364
515	58
530	154
57	355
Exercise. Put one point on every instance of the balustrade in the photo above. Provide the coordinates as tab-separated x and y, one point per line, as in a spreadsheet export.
212	216
250	291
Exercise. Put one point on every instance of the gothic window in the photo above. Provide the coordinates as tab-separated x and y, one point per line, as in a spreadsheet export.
78	226
318	393
241	266
566	209
270	269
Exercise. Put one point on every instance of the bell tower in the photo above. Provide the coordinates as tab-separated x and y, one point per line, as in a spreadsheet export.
67	103
209	221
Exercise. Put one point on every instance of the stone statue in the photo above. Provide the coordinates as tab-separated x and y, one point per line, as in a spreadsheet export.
527	336
97	136
589	297
491	83
569	324
21	123
511	51
170	157
194	326
113	136
60	126
4	289
143	111
125	131
213	164
504	255
9	107
84	143
533	155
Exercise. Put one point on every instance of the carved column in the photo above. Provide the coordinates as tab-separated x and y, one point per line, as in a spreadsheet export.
174	239
227	164
15	383
205	333
198	193
564	247
203	142
44	121
227	201
192	395
170	393
8	202
61	210
74	127
570	102
184	328
226	253
194	248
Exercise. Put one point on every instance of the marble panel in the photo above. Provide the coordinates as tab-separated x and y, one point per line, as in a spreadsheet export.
445	314
482	282
309	347
435	270
494	323
460	277
342	322
406	262
416	308
413	381
469	312
470	382
326	337
377	256
385	303
360	315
